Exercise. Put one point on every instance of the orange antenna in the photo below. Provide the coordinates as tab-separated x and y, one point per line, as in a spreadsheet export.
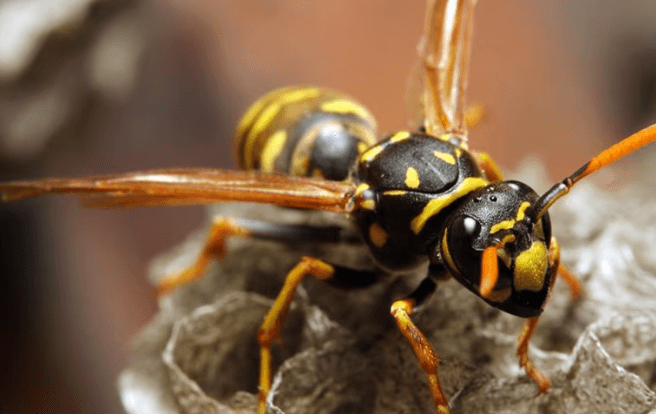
490	264
489	271
628	145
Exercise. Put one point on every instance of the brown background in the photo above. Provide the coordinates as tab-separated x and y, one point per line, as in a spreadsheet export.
560	81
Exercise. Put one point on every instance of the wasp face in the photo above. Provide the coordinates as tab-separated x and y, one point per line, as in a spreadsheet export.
495	216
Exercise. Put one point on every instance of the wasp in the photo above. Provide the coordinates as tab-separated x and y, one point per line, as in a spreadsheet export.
418	199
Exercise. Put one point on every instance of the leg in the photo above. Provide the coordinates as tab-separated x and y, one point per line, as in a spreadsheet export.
489	167
272	325
214	247
426	355
529	326
568	277
522	351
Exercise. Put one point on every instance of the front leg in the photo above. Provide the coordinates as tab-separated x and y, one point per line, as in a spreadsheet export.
426	355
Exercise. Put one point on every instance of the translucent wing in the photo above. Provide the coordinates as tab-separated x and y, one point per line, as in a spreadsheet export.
437	86
172	187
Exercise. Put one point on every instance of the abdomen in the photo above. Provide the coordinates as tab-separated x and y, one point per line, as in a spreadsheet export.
304	131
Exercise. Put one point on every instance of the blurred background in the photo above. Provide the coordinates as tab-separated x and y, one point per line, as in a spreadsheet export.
100	86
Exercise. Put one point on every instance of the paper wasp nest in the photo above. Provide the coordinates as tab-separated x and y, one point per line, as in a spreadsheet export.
341	352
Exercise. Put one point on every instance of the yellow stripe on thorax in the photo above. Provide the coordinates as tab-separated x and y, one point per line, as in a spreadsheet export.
434	206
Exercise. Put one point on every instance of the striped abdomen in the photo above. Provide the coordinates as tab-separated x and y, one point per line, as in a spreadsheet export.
304	131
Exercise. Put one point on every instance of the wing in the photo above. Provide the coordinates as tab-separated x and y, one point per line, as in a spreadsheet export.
439	80
174	187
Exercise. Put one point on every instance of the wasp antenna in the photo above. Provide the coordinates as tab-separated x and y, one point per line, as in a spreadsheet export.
611	154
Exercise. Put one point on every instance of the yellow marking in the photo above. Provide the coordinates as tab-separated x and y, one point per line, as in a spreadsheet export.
377	235
272	150
255	108
368	204
505	257
531	268
447	253
366	133
502	225
282	98
411	178
298	95
447	158
400	136
260	124
444	137
434	206
508	224
522	209
395	193
371	153
500	295
360	189
346	106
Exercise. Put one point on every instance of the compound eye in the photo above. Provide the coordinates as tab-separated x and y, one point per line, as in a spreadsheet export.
464	247
465	230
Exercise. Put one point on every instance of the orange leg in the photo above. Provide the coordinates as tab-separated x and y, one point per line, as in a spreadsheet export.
489	167
568	277
214	248
529	326
522	351
272	325
571	280
426	355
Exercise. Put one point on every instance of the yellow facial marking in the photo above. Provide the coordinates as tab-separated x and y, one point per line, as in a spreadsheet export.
400	136
346	107
522	209
502	225
508	224
371	153
531	268
444	137
411	178
500	295
447	158
434	206
362	147
272	150
377	235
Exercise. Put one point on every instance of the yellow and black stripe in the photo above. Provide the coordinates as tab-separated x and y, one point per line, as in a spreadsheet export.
304	131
